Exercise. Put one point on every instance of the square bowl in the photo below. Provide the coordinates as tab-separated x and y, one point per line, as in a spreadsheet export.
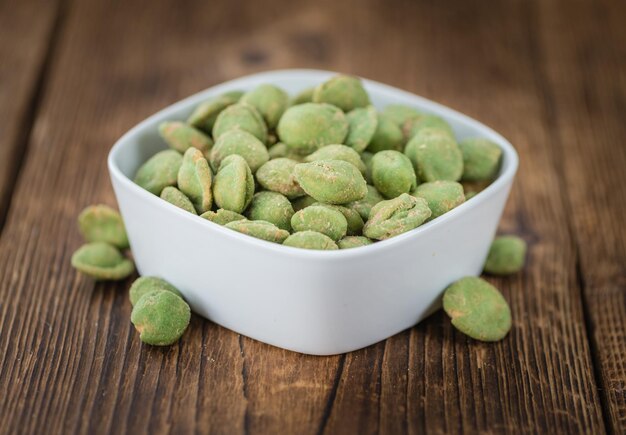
314	302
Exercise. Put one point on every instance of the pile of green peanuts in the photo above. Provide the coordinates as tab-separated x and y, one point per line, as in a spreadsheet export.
160	314
323	170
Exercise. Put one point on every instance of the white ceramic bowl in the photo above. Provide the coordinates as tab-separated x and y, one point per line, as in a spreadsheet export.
315	302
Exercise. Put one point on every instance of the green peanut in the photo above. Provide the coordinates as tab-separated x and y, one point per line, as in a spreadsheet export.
147	284
233	186
310	240
349	242
392	173
160	171
100	223
367	157
222	217
240	116
304	96
435	155
180	137
413	126
204	116
321	219
269	100
364	206
481	159
441	196
507	256
280	150
362	122
178	198
271	207
303	202
195	180
161	317
399	113
477	309
353	218
396	216
306	127
278	175
102	261
331	181
338	152
343	91
260	230
388	136
242	143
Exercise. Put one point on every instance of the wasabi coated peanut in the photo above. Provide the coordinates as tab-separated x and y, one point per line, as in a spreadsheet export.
147	284
345	92
349	242
392	173
242	143
240	116
259	229
178	198
102	261
306	127
310	240
269	100
195	180
396	216
353	218
160	317
271	207
338	152
367	157
160	171
303	202
331	181
362	122
481	159
388	136
278	175
180	137
507	255
280	150
441	196
477	309
364	206
204	116
435	155
100	223
233	185
304	96
399	113
222	217
322	220
412	126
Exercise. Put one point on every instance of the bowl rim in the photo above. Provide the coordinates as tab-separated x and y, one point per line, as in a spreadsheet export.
504	178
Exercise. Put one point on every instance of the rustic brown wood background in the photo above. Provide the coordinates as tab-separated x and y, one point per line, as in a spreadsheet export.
549	75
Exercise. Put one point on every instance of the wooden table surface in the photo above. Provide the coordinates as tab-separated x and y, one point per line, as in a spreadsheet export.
548	75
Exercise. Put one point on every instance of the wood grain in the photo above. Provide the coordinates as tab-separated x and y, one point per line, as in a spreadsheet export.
26	37
70	361
585	87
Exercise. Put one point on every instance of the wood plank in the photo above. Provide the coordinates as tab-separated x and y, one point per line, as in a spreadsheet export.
26	33
69	359
584	52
